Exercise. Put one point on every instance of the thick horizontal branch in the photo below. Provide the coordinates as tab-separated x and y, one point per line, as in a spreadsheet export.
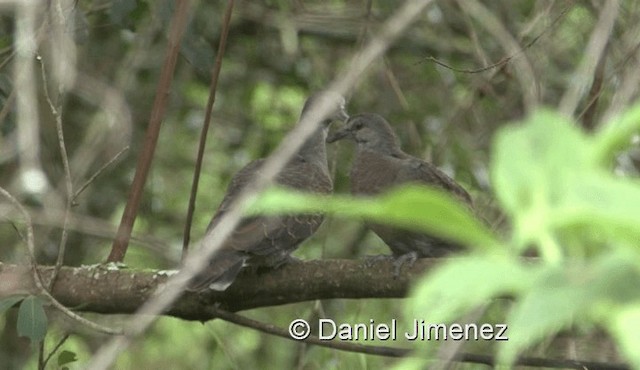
107	290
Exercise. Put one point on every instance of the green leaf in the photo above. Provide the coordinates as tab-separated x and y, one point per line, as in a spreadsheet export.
412	207
578	293
534	165
464	283
551	305
32	320
616	135
624	327
605	203
7	303
532	160
66	357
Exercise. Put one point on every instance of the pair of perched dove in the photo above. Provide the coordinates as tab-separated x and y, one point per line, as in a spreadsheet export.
379	164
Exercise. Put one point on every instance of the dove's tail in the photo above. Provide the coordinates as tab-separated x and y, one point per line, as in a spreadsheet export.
220	273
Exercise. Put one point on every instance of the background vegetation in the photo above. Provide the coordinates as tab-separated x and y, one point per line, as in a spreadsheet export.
463	72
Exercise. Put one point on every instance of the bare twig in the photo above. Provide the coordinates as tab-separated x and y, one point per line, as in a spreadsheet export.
205	127
502	61
110	127
98	173
41	355
497	64
312	339
36	275
7	105
291	143
496	28
54	350
395	85
121	241
9	57
56	110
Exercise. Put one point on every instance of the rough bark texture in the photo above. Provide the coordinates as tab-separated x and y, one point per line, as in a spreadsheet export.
121	291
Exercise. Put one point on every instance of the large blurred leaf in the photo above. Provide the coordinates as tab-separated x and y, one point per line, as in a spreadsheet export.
624	327
564	295
32	320
549	176
608	204
616	135
463	283
563	199
532	161
412	207
534	166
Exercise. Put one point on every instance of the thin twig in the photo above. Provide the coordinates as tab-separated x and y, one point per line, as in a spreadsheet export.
56	110
524	71
311	339
55	349
41	355
98	173
205	127
36	274
502	61
7	59
497	64
8	103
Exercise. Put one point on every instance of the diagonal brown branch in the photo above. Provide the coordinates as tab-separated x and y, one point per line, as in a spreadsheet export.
205	127
178	24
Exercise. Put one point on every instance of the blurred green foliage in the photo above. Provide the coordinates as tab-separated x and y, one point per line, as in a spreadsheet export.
559	190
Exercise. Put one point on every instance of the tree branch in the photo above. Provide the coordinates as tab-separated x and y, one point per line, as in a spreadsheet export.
122	291
105	290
